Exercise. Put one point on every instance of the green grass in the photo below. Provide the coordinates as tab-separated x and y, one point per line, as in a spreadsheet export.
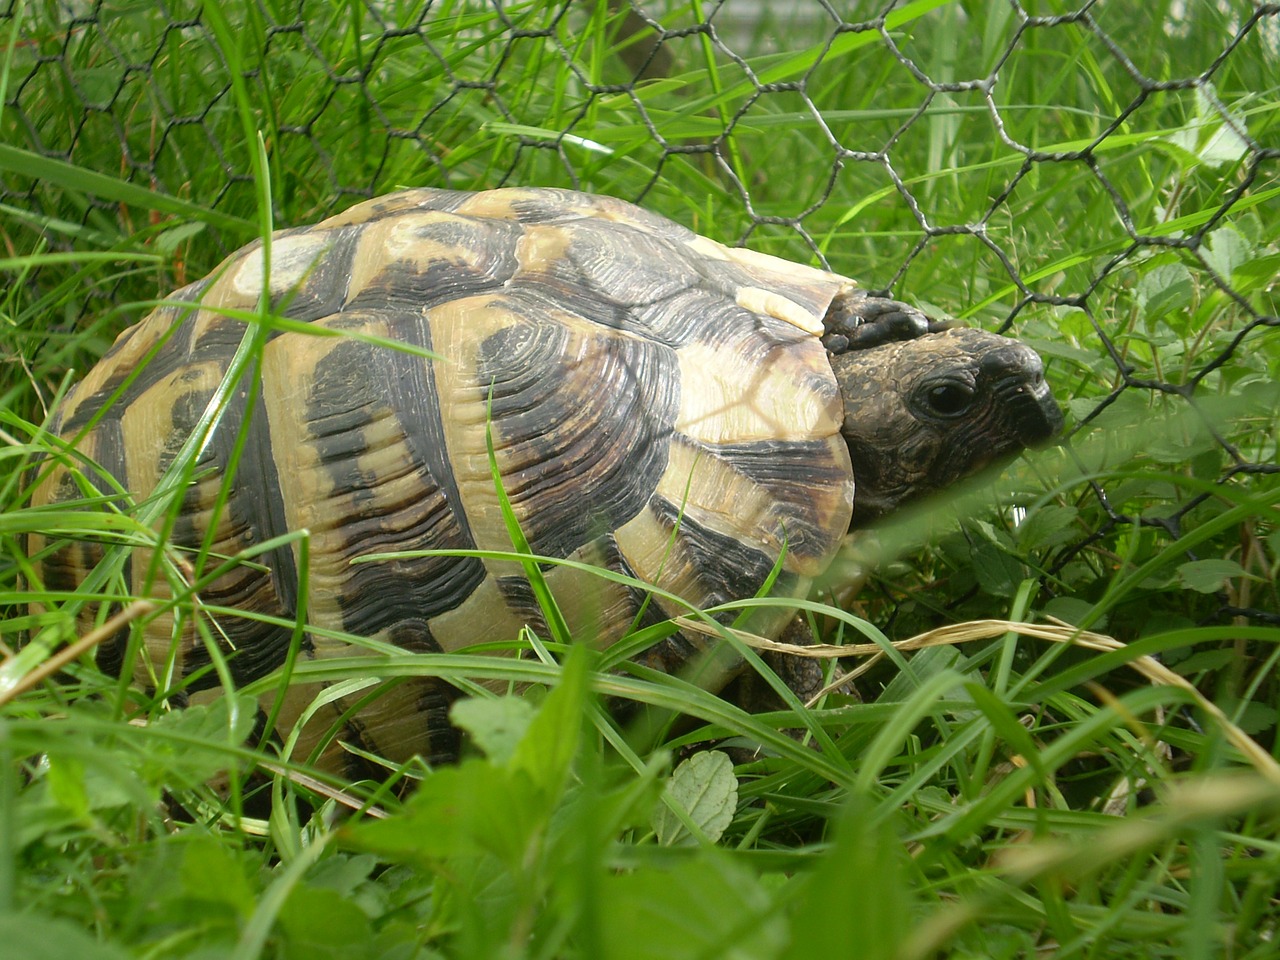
1004	797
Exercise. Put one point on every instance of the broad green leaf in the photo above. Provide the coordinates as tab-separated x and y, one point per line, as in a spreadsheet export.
460	811
1072	610
191	745
1208	576
1128	409
858	902
317	923
549	745
67	785
1164	288
706	907
706	789
212	873
998	573
35	937
1256	274
169	240
343	873
1209	137
1226	250
1254	718
1188	664
1046	527
496	726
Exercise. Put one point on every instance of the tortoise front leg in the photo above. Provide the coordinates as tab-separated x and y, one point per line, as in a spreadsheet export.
857	320
803	675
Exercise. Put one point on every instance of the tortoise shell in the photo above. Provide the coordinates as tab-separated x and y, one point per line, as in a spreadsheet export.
660	405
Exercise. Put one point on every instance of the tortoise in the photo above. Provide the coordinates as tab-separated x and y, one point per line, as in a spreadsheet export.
660	405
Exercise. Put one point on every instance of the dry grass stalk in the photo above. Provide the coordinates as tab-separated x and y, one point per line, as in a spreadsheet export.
975	630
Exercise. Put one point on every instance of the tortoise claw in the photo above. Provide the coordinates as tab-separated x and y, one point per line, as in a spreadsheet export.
857	320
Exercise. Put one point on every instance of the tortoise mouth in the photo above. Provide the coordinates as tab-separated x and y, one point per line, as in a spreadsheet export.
1036	416
1019	389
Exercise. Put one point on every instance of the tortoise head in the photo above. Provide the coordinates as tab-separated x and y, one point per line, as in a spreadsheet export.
921	414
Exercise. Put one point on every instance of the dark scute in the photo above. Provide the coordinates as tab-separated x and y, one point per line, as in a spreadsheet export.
669	655
193	292
550	205
520	600
547	206
256	502
688	315
66	564
354	766
253	513
758	339
626	266
789	470
582	442
344	394
354	384
218	339
324	287
431	713
553	292
424	198
253	649
109	454
378	594
111	652
173	356
629	264
185	411
444	741
727	278
413	634
405	286
64	567
175	315
727	568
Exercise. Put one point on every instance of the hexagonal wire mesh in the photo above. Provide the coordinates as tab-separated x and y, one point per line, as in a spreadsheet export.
1103	178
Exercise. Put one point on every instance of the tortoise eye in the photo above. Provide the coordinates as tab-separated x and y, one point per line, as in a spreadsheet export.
949	399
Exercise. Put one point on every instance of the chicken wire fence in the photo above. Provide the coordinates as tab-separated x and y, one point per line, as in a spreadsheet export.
1100	178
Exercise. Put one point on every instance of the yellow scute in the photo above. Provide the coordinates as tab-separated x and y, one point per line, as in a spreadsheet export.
775	305
291	260
726	398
